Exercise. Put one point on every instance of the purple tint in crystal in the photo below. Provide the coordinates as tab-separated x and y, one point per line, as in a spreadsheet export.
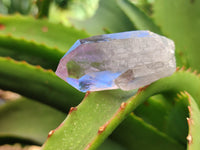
126	60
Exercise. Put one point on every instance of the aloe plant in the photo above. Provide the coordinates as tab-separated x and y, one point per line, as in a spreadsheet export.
54	115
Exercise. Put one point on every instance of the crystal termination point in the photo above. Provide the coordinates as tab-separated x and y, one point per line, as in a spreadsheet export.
126	60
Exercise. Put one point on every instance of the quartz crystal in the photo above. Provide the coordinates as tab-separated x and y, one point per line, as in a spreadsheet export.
126	60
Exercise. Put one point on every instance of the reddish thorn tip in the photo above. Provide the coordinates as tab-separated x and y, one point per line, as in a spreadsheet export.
178	68
101	129
45	29
24	62
189	70
38	67
142	89
8	58
195	72
87	93
182	68
51	133
2	27
189	138
49	70
123	105
72	109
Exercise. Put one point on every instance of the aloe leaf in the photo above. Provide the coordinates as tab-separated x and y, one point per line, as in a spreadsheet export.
193	123
40	31
138	17
27	120
109	144
168	116
37	83
145	5
180	21
176	125
108	16
134	133
155	111
33	53
43	8
99	107
111	108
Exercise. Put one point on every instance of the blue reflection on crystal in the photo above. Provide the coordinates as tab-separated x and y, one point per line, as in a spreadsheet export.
95	80
76	44
107	37
126	35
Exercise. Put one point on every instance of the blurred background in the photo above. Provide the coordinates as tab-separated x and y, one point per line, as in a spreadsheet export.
37	33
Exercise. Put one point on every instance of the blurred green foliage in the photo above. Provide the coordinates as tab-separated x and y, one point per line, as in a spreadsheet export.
35	34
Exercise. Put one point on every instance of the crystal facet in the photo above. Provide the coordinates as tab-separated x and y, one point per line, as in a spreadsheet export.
126	60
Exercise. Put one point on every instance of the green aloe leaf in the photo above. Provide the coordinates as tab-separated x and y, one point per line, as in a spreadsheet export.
176	125
112	107
179	20
167	115
155	111
37	83
99	107
43	8
27	120
193	122
135	133
108	16
40	31
138	17
33	53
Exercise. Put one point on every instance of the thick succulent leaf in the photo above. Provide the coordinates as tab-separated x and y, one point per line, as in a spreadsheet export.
37	83
40	31
111	108
154	111
108	16
134	133
194	123
99	107
27	119
109	144
138	17
145	5
43	8
176	125
167	115
179	19
33	53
